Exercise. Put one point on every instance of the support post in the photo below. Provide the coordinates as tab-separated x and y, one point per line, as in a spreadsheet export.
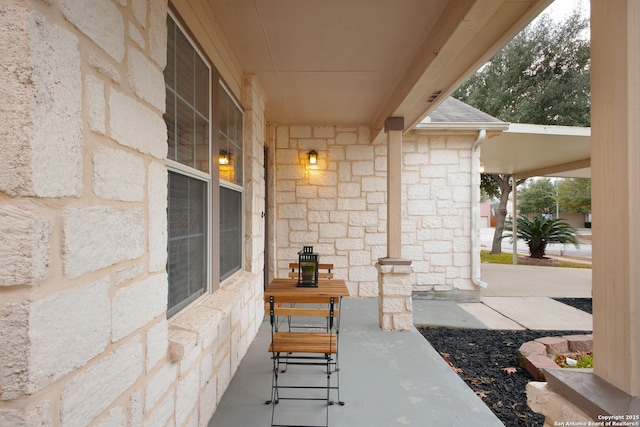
395	275
614	386
615	174
514	191
394	127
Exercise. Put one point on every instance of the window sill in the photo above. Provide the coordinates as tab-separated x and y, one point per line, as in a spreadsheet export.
213	317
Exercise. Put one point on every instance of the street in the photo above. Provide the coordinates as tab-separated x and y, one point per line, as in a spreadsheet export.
486	240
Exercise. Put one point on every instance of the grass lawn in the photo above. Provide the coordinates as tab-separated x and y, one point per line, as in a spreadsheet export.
507	258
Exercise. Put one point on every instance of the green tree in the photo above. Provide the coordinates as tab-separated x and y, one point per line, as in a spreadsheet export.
574	195
540	77
537	197
498	186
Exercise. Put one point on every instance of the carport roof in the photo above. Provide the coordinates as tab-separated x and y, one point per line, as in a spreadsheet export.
523	150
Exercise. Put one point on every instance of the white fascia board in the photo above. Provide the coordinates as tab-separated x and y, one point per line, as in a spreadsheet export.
489	126
548	129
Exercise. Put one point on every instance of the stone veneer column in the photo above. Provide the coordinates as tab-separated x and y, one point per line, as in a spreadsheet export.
395	275
394	301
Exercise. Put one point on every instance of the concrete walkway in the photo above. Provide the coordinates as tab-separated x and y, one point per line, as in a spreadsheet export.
517	297
397	378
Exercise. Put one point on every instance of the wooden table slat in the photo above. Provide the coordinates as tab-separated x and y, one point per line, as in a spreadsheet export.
286	290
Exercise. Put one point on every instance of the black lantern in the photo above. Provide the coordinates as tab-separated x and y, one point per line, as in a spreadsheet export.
307	268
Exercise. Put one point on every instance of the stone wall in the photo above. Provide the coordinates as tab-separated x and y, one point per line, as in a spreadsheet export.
436	182
84	338
339	205
254	175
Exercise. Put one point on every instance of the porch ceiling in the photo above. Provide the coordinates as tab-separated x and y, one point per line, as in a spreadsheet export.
360	61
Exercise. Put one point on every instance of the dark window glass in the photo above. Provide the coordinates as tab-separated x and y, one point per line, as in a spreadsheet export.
231	140
187	79
230	232
187	215
188	134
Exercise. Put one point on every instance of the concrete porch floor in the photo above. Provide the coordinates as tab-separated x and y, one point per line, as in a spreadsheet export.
386	379
397	378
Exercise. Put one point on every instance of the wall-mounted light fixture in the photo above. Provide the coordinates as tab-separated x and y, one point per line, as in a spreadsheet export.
481	167
313	157
224	158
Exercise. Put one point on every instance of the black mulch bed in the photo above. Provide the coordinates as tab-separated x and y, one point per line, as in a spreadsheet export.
583	304
487	360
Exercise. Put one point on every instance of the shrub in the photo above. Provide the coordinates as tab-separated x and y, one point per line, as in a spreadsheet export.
539	232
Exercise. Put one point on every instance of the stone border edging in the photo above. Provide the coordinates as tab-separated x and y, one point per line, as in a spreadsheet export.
536	355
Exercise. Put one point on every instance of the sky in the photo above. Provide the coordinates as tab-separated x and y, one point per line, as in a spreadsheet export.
561	8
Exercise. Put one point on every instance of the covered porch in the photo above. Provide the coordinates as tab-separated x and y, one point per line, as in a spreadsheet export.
86	172
391	379
386	379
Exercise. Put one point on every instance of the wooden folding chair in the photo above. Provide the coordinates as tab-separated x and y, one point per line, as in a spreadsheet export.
325	271
305	348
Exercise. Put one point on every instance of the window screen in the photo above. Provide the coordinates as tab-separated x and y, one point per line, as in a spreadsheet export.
187	264
231	178
230	232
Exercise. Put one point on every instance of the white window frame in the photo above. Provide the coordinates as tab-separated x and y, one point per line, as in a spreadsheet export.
234	186
192	172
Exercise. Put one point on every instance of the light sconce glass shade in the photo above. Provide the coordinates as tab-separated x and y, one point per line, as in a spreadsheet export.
313	157
481	167
224	158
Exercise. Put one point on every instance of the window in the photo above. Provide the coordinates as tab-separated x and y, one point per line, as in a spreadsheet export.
187	116
187	258
204	199
231	172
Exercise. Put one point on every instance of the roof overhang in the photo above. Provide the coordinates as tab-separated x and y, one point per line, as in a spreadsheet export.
522	150
526	150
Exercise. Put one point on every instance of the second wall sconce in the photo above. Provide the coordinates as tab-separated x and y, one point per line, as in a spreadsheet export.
224	158
313	157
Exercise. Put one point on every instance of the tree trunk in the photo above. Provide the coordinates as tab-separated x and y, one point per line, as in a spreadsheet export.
505	190
537	251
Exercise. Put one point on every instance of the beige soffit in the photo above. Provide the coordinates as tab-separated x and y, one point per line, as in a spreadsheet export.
360	61
526	150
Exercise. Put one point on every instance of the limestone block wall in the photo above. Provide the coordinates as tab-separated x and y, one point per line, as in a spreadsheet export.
339	205
254	173
436	235
84	338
